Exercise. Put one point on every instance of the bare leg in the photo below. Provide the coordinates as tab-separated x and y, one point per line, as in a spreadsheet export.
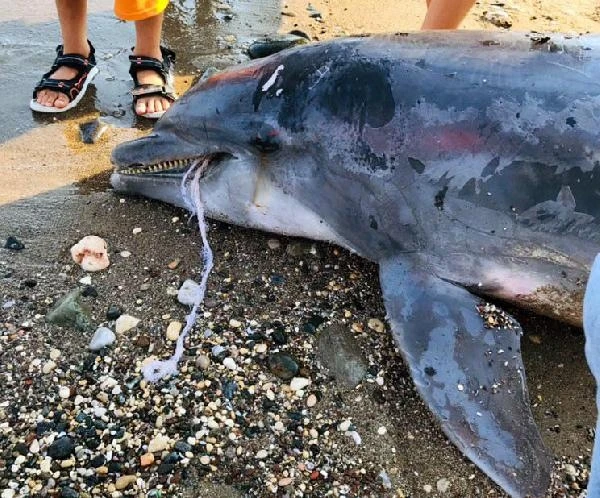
148	33
446	14
72	15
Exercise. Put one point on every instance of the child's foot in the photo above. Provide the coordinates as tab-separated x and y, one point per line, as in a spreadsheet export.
153	92
51	98
61	88
154	103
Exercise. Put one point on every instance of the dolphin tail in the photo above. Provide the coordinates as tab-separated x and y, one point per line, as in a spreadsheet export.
469	370
591	326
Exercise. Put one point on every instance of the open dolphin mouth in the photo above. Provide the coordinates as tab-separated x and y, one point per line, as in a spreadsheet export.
170	168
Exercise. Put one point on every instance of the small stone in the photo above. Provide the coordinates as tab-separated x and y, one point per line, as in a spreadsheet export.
125	254
203	362
69	312
344	426
188	293
299	383
125	323
427	488
311	401
124	482
147	459
174	264
113	312
261	454
159	443
376	325
570	470
13	244
68	493
64	392
46	466
382	430
230	363
61	448
260	348
48	367
236	324
204	459
87	280
8	492
443	485
283	365
273	244
173	330
285	481
34	447
102	337
136	230
54	354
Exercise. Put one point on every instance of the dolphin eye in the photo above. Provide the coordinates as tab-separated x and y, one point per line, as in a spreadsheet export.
266	139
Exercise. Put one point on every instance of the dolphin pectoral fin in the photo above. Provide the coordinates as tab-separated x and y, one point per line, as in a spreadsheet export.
471	376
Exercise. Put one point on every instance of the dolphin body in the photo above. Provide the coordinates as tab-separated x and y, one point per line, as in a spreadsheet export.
465	164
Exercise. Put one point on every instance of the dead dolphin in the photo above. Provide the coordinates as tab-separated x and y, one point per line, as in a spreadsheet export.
466	164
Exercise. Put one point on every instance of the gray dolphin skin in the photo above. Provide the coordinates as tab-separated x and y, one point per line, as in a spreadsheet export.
466	164
591	326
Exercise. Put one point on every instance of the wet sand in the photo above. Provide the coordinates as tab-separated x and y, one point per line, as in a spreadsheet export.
55	190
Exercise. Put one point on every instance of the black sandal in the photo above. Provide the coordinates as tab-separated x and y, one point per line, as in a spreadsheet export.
74	88
164	68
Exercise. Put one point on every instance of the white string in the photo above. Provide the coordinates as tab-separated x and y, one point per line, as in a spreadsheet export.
159	369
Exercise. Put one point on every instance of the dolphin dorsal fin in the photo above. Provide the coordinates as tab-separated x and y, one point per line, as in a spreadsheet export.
566	197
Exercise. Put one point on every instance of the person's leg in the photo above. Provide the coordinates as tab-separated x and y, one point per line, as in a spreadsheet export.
72	15
148	34
446	14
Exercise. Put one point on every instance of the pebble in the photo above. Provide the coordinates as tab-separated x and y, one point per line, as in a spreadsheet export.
102	337
273	244
188	292
427	488
173	330
230	363
260	348
311	401
159	443
376	325
203	362
345	425
174	264
113	312
443	485
147	459
64	392
382	430
236	324
125	254
125	481
46	466
285	481
8	492
125	323
69	312
136	230
261	454
87	280
283	365
54	354
61	448
204	459
299	383
48	367
13	244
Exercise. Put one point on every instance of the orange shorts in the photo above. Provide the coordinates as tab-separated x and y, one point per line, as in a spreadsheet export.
138	10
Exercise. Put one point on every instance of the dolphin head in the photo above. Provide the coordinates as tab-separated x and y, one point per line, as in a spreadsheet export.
231	121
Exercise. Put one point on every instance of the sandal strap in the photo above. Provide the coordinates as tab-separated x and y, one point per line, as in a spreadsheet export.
148	90
164	68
